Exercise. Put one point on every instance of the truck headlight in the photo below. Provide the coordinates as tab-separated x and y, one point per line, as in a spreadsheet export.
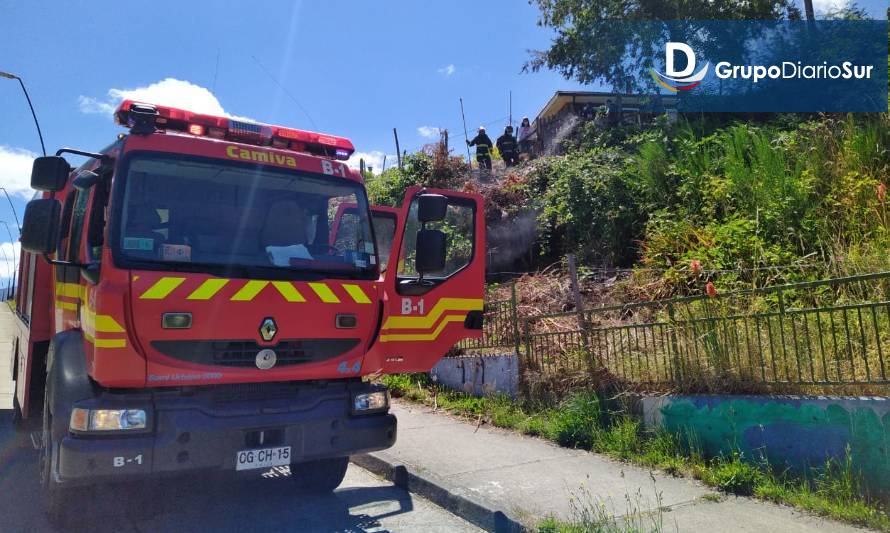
107	419
370	402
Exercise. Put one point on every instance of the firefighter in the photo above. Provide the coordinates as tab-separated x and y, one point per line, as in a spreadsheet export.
483	148
506	144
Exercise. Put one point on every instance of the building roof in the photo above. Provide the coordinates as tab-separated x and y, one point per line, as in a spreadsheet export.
638	101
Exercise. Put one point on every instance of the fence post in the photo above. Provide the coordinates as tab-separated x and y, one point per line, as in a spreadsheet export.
579	309
515	317
678	361
523	359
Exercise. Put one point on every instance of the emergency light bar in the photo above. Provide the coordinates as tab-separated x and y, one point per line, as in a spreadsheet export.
132	114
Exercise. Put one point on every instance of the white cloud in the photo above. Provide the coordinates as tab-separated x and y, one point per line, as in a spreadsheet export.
447	70
428	132
15	171
169	92
823	6
373	159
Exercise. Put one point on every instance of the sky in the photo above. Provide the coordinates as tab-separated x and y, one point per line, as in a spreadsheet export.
351	68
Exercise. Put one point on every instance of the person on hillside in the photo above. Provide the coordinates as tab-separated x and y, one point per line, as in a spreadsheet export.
507	146
525	133
483	146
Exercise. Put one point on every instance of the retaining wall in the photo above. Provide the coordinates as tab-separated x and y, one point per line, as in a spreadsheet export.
796	431
479	375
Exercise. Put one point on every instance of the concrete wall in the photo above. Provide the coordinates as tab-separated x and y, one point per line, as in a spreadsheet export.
479	375
796	431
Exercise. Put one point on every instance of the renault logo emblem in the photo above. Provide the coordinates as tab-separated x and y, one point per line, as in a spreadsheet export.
266	359
268	329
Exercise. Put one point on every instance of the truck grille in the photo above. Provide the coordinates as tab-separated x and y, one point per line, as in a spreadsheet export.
242	353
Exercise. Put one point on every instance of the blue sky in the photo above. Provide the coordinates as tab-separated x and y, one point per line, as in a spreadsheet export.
354	68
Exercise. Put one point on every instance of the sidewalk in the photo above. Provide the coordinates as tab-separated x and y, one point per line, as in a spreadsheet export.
475	472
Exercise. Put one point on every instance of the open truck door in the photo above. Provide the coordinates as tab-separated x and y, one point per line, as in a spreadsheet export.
432	291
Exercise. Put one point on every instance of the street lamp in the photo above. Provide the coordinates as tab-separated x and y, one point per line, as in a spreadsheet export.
15	267
8	199
9	76
11	240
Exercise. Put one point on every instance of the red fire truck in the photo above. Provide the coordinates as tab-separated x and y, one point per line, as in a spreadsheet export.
209	293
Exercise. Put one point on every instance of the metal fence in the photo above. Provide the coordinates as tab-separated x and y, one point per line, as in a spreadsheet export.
834	332
500	330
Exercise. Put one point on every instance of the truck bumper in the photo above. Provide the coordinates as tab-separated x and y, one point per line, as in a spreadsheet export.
198	432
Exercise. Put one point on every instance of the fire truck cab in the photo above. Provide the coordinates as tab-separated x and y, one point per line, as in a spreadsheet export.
212	294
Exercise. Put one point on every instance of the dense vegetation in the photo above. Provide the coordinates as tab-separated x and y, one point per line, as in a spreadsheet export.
753	202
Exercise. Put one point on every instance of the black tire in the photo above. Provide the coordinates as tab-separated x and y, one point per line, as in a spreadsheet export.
320	476
56	498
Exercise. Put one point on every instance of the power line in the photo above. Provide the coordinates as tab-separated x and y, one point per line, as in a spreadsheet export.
288	93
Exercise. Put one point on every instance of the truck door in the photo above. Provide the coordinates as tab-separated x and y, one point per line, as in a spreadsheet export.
384	219
424	316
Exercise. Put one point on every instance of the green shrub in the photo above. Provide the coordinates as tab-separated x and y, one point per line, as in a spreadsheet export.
732	474
577	421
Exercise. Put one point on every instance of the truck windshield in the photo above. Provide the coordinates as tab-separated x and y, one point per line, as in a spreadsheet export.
214	216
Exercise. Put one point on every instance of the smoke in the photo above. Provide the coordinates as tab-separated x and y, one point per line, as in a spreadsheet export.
511	238
565	128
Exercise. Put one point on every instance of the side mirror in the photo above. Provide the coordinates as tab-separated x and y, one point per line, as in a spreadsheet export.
49	173
431	208
430	253
40	226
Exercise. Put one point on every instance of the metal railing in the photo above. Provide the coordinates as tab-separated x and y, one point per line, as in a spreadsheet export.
500	330
834	331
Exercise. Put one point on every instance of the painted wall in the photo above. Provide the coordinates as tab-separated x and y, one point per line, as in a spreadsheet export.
797	431
479	375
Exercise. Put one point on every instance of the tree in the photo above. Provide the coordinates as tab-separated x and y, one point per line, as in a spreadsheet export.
593	44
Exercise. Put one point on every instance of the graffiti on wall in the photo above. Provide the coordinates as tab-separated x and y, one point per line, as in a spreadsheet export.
800	432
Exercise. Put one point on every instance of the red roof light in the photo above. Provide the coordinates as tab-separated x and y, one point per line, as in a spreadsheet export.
171	118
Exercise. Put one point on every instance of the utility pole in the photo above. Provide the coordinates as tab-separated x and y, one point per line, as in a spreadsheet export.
808	9
511	109
398	152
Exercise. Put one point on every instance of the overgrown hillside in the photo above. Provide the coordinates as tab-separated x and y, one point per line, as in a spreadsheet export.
737	203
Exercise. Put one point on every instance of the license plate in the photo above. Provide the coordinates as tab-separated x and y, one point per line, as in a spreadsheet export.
262	458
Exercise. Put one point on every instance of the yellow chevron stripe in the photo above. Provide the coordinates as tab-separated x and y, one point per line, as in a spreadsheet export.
325	293
426	322
249	291
68	306
423	336
161	288
357	293
68	290
207	289
288	291
107	324
106	343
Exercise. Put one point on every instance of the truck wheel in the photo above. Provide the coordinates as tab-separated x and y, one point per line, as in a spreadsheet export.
320	476
55	497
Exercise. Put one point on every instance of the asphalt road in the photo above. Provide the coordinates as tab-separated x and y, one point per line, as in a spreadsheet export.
221	503
215	503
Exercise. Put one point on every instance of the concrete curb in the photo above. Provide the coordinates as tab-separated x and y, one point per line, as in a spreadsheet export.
441	493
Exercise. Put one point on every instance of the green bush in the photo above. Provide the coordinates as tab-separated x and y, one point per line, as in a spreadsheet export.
732	474
576	422
757	202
